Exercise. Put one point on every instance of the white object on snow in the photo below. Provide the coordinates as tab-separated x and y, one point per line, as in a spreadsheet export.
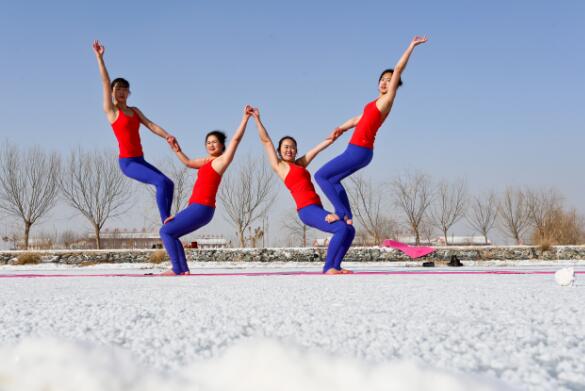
565	276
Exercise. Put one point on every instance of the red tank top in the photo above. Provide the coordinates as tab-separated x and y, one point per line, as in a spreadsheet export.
298	181
365	131
206	186
126	131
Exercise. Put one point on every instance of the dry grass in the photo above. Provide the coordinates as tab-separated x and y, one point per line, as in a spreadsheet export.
159	256
28	259
561	228
545	245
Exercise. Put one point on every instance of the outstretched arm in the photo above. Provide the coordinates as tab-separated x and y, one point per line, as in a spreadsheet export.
156	129
384	104
267	143
344	127
221	163
310	155
191	163
108	105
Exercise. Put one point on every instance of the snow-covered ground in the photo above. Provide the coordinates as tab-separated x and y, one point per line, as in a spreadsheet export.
360	332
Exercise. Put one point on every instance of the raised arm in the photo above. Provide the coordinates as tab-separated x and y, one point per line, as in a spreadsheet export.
221	163
108	105
267	143
384	104
156	129
311	154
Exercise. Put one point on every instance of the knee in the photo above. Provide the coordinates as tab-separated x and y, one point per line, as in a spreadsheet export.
164	231
350	231
168	184
164	183
319	176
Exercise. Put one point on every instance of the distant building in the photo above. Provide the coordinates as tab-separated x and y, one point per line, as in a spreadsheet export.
122	239
463	241
209	242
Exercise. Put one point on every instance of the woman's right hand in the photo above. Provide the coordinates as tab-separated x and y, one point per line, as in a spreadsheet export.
255	113
98	48
248	111
417	40
174	145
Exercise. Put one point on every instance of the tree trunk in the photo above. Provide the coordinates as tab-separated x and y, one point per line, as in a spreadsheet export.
417	236
241	238
27	226
304	236
98	239
445	235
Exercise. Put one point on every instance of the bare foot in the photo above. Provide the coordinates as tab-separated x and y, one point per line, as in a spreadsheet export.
168	273
170	218
331	218
332	271
345	271
348	220
187	273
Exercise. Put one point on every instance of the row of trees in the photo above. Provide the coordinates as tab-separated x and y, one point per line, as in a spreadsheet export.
32	181
423	208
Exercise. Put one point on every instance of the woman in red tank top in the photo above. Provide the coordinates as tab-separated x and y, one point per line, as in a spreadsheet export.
360	150
297	179
202	202
126	122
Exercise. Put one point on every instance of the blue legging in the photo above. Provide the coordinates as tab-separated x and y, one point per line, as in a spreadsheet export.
329	176
343	234
186	221
139	169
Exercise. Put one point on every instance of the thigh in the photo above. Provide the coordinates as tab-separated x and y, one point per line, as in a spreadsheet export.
356	159
314	216
188	220
140	170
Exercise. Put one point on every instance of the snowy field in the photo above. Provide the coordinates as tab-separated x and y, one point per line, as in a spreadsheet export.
313	332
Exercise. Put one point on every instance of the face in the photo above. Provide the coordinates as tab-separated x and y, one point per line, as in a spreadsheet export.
384	82
214	146
288	150
120	94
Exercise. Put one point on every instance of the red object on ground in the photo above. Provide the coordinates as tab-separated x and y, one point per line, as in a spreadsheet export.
412	252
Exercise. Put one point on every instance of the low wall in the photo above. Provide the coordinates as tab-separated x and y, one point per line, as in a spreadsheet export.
355	254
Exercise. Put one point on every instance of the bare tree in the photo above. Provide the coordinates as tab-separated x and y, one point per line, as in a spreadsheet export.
482	214
513	214
413	196
296	229
449	208
93	184
540	205
183	180
247	195
68	237
366	201
28	184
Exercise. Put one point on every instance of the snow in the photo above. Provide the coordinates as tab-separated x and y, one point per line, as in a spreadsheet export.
366	332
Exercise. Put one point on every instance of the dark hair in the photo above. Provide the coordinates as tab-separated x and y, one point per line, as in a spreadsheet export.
389	71
120	82
282	140
220	136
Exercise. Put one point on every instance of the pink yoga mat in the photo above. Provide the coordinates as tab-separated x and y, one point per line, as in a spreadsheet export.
412	252
298	273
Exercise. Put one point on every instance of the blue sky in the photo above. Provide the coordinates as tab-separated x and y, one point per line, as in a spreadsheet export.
495	96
